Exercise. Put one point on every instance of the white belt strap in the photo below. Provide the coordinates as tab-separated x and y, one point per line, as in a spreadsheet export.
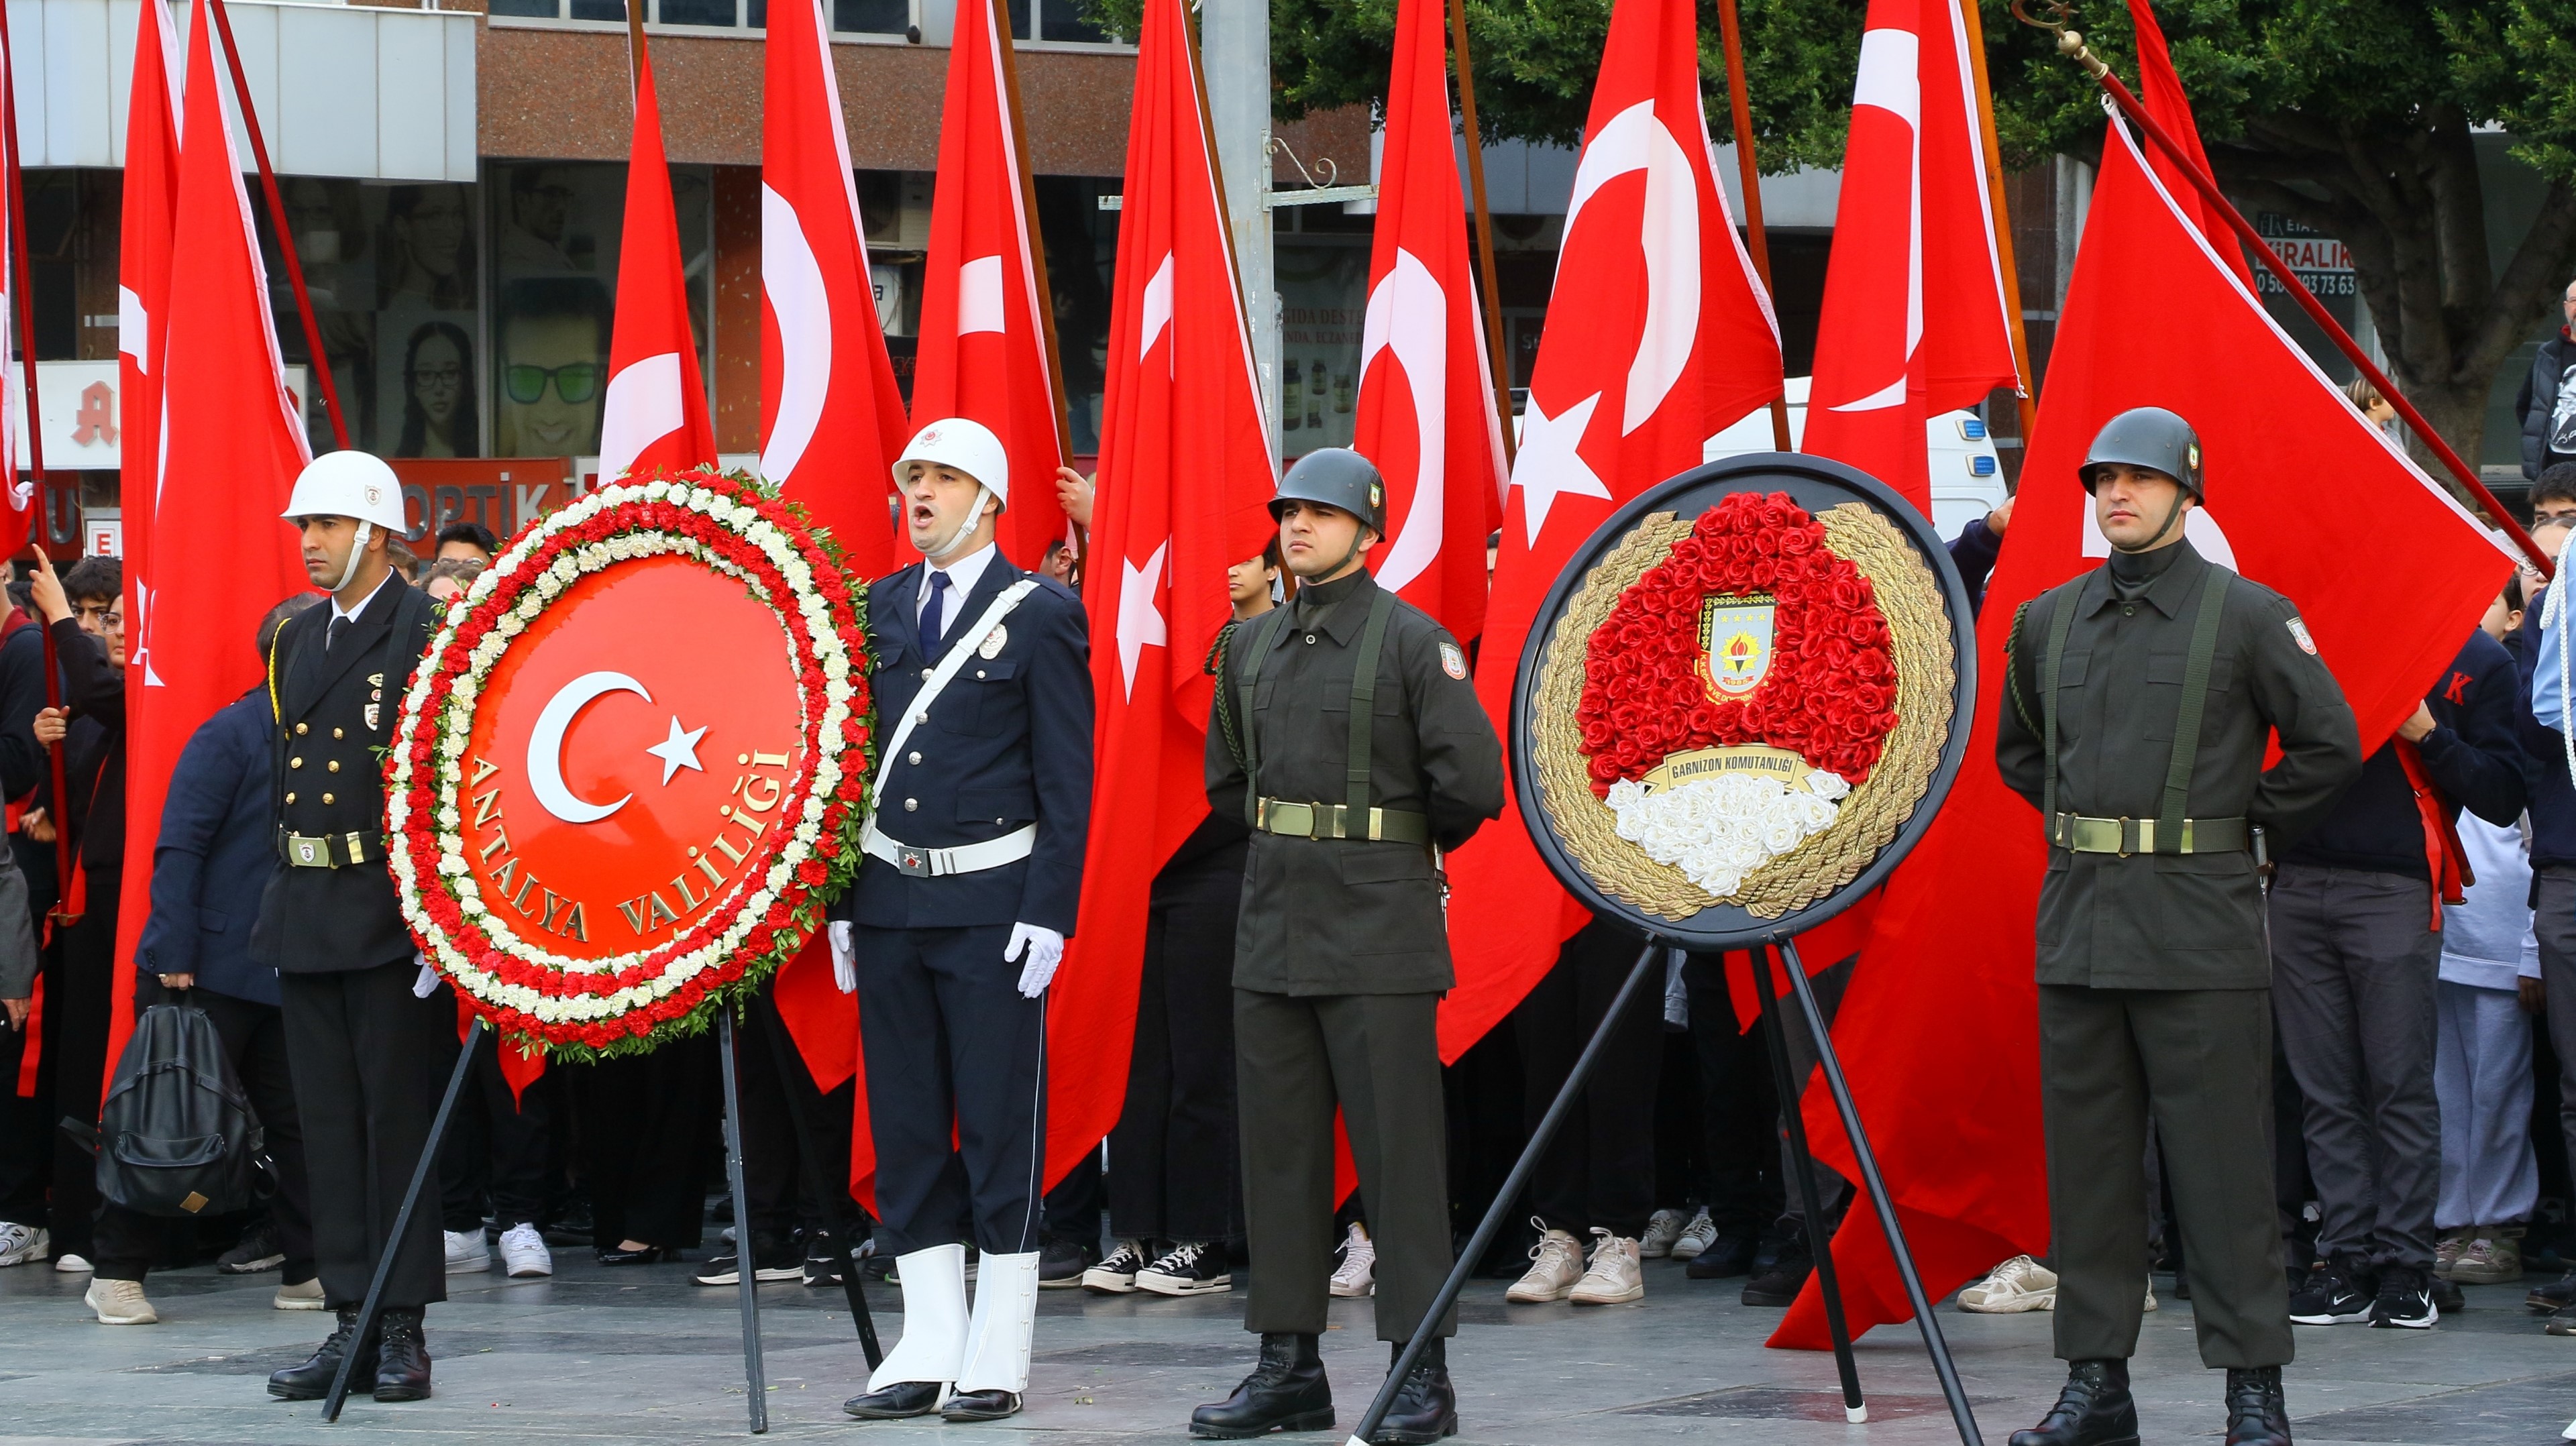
921	863
963	649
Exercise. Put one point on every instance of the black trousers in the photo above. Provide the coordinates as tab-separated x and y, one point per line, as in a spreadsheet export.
1738	1106
27	1133
254	1037
783	1167
79	1050
1172	1169
369	1061
956	1064
1600	1168
494	1156
644	1124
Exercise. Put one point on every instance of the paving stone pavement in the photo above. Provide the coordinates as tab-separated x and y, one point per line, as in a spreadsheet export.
641	1355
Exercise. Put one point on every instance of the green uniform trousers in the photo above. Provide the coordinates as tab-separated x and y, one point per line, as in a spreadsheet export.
2199	1061
1378	1057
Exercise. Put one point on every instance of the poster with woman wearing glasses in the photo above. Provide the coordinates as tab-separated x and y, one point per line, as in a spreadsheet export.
425	298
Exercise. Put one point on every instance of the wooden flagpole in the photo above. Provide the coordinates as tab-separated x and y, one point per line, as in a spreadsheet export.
1741	113
2028	401
1497	361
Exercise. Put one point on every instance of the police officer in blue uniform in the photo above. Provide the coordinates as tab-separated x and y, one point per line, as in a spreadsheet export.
958	917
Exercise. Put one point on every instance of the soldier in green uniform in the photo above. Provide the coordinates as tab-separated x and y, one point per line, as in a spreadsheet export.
2139	698
1346	734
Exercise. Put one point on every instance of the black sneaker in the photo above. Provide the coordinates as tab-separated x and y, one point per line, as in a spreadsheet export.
2559	1293
257	1252
2447	1298
1194	1267
772	1260
1061	1262
2405	1299
1727	1256
1780	1267
2339	1292
1116	1272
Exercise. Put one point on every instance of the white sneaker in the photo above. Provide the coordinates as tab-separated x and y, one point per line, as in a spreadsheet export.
120	1302
1698	1235
1662	1229
1614	1277
524	1253
1357	1274
20	1244
303	1295
2019	1284
467	1254
2151	1293
68	1264
1556	1263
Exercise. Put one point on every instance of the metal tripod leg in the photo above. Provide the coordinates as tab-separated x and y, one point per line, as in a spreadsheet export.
1810	1199
746	1267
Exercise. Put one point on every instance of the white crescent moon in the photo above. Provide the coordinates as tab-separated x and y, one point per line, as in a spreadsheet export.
1408	314
1635	140
545	746
792	280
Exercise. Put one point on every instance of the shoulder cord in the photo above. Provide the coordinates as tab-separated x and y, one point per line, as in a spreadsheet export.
1364	705
2012	668
2195	694
2060	622
1249	754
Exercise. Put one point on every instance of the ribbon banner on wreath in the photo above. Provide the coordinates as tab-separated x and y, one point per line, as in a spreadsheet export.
1743	700
634	766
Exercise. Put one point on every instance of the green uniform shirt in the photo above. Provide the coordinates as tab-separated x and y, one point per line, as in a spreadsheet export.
1342	916
2169	921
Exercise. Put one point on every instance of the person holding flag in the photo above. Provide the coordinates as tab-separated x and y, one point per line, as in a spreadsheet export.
2139	697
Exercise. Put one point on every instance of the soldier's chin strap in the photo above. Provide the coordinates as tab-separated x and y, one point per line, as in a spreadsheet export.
1351	556
974	515
2173	516
357	550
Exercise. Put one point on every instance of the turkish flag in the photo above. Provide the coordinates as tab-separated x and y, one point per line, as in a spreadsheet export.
831	420
987	345
2160	91
655	413
1965	1162
1186	474
1914	320
234	443
1663	336
1426	405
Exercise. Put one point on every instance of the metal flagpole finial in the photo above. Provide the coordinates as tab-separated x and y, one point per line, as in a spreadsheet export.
2070	41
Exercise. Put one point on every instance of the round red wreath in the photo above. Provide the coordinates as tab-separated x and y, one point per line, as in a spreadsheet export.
1830	695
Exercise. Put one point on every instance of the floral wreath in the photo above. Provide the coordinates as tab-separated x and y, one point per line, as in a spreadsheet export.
631	1002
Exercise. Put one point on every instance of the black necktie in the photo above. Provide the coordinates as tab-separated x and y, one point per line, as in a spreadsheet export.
331	635
934	622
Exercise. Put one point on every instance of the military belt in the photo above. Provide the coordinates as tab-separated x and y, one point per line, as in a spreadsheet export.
2125	836
914	862
1340	820
328	851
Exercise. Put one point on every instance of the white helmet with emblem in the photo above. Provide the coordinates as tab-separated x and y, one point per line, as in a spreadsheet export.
355	485
962	443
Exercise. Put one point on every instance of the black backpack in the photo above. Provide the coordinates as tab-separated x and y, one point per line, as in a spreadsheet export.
177	1135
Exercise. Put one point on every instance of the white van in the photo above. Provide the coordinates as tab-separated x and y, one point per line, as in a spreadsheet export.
1967	477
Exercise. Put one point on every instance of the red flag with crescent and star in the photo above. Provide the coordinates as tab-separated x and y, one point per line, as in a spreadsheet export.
1426	402
655	412
1663	337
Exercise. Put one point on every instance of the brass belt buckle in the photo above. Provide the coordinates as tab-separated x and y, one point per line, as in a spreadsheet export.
2123	849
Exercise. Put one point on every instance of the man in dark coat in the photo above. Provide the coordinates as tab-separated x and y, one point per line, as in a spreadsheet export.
366	1030
2547	402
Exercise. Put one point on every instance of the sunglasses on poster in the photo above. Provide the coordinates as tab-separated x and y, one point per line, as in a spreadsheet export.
574	382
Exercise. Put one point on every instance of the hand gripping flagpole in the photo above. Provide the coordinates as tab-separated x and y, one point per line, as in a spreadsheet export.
2070	43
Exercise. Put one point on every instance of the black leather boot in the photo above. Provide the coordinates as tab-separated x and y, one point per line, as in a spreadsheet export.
2095	1409
311	1381
898	1401
1285	1392
1426	1406
2256	1413
402	1357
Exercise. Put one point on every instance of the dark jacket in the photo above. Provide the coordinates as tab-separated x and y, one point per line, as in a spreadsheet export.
93	753
2552	798
218	847
1007	744
2473	755
2537	404
333	920
22	758
1337	916
2169	921
1974	552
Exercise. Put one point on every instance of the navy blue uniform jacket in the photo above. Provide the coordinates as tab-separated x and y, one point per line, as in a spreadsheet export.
218	846
1008	743
2473	755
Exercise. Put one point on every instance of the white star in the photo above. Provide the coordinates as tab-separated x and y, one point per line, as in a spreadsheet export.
678	751
1549	466
1139	621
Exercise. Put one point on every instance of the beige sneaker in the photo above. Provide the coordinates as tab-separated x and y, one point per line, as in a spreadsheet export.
2446	1251
2019	1284
120	1302
2492	1257
2151	1294
302	1295
1662	1229
1556	1263
1614	1276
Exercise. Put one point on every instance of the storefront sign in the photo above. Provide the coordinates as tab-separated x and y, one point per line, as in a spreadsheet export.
84	425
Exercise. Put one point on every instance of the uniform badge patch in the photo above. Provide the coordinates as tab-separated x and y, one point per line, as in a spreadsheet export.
993	641
2299	632
374	711
1453	662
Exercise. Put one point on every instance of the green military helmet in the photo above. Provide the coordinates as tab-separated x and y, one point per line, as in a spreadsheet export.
1336	477
2149	437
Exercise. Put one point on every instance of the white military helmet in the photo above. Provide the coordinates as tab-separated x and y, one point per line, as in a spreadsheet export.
962	443
356	485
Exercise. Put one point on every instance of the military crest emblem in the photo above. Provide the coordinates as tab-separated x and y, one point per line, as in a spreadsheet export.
1452	661
1735	641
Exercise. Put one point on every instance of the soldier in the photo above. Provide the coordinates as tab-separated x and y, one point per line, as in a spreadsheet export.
365	1038
2140	697
957	920
1346	734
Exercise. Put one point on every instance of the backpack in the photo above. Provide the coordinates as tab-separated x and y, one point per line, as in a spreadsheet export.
177	1135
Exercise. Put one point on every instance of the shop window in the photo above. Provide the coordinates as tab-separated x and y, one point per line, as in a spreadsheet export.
1055	20
849	17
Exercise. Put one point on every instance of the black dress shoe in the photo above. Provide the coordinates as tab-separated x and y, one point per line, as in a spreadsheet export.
2256	1414
980	1406
1285	1392
896	1402
1726	1257
311	1381
402	1358
649	1255
1425	1406
2094	1409
1780	1267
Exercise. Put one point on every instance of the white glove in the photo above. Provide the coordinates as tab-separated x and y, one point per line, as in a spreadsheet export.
845	961
1046	950
427	983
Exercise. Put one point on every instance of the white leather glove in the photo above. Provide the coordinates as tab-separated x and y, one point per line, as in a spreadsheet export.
427	983
845	960
1045	949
